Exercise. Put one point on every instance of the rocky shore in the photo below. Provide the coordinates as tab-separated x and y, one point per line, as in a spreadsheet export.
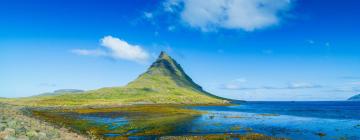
14	125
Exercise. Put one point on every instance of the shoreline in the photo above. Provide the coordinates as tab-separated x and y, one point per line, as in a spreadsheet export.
56	129
16	125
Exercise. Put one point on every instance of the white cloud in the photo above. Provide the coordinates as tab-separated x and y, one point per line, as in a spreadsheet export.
238	85
120	49
302	85
171	5
116	49
346	89
97	52
247	15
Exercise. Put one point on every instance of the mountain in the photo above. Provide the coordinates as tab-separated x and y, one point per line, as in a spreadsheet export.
164	82
167	72
60	92
354	98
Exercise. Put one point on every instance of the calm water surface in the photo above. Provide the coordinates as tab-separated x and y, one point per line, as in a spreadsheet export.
295	120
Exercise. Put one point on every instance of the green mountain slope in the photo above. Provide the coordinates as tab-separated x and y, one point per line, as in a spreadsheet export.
165	82
354	98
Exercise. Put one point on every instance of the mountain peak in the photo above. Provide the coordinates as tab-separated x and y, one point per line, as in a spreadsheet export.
165	65
163	55
164	58
166	76
167	68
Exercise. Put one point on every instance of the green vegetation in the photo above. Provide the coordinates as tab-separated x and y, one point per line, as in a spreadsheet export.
235	128
15	125
145	119
165	82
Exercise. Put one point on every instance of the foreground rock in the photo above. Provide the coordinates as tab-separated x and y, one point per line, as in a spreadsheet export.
14	125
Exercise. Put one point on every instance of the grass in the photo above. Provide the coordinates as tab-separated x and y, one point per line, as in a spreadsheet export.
132	94
165	82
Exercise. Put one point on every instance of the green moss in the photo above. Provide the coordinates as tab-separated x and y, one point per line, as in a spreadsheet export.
147	120
235	128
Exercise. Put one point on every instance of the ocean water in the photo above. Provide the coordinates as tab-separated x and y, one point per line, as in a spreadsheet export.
294	120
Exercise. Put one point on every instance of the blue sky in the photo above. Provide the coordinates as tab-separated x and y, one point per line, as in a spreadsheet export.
253	50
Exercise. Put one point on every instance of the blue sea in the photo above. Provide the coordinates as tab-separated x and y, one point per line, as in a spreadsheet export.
293	120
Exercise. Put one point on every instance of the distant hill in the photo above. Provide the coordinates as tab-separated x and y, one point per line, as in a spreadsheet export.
354	98
61	91
165	82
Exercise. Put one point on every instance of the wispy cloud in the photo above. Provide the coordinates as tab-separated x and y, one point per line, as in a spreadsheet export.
350	77
290	86
96	52
116	49
318	43
346	89
234	84
247	15
171	5
302	85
